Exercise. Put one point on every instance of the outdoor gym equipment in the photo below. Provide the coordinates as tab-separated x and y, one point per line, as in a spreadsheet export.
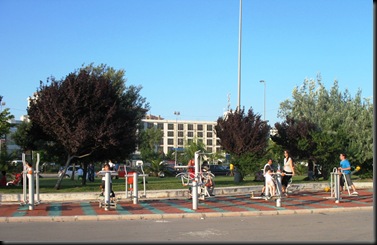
131	179
197	181
278	187
28	181
108	202
205	177
335	183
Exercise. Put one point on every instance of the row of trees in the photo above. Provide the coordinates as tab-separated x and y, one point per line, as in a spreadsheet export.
338	122
91	115
318	126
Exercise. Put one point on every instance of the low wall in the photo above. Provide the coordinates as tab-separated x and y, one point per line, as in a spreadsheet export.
176	193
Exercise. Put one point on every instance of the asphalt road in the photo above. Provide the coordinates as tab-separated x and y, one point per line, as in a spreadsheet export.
337	227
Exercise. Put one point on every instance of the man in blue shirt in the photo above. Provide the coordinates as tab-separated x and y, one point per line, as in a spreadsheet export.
345	167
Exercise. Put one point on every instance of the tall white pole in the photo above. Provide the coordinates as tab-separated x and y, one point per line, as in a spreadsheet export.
239	58
264	103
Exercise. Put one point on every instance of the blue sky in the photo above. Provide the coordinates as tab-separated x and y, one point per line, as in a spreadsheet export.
184	53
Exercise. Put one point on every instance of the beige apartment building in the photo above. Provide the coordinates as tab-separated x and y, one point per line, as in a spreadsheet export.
179	133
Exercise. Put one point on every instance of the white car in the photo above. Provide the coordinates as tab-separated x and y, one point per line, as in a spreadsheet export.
68	173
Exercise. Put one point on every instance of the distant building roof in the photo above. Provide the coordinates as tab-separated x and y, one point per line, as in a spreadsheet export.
153	117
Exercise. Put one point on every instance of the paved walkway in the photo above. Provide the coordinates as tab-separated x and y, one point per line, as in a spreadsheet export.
217	206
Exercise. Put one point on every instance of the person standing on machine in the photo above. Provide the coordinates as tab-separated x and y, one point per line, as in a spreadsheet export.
345	168
269	182
288	172
106	167
29	169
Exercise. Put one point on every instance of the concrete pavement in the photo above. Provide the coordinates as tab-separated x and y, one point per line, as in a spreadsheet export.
166	204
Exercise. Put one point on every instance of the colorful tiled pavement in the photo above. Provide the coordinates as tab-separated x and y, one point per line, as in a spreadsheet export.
232	205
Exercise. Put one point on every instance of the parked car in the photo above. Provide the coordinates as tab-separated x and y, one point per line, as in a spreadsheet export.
169	171
122	171
69	172
219	169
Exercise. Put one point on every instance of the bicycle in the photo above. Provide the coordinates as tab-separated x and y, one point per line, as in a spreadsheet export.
205	183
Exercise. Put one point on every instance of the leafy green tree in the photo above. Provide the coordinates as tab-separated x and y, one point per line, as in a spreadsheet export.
88	114
307	143
150	139
190	149
38	143
245	137
295	136
23	138
342	123
5	125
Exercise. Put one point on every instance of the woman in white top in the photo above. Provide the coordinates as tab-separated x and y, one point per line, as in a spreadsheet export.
288	171
29	169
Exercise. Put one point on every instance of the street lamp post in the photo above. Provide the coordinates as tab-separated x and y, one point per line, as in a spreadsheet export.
264	103
239	57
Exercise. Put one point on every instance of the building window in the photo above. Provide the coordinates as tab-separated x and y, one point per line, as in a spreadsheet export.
170	133
180	126
180	134
190	127
170	126
209	134
209	149
209	127
200	134
190	134
209	142
160	125
150	125
170	141
200	127
180	141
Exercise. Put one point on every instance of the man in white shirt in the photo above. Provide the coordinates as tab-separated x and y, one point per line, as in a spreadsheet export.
112	165
80	173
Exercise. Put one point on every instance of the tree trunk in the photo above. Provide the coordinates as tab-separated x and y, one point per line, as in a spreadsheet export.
58	183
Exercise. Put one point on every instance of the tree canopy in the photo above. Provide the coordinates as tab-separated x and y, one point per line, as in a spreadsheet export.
240	133
89	113
341	123
245	137
5	125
